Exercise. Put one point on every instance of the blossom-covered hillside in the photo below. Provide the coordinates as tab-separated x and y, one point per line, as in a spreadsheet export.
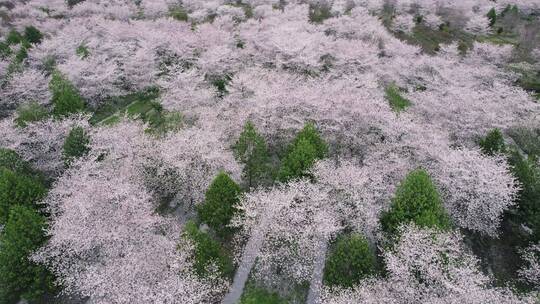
269	151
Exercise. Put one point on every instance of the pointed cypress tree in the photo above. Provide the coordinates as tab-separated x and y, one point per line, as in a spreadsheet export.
65	97
19	276
220	203
75	145
416	200
305	150
251	150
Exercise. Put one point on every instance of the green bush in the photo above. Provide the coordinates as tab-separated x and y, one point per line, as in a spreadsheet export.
416	200
219	207
318	12
75	145
10	160
349	261
305	150
5	50
14	37
527	172
208	253
492	16
397	102
251	150
493	143
21	278
30	112
65	97
177	12
255	295
33	35
82	51
18	189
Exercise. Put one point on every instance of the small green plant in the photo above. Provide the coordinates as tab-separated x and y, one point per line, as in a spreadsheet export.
493	143
527	172
30	112
397	102
18	189
33	35
82	51
416	200
305	150
75	145
20	278
251	150
349	261
256	295
492	16
318	12
65	97
14	37
208	254
220	204
220	82
177	12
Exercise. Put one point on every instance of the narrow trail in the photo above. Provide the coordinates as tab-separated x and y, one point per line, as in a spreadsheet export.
249	256
315	283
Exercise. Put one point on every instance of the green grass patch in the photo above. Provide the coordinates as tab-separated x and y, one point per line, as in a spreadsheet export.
119	104
397	102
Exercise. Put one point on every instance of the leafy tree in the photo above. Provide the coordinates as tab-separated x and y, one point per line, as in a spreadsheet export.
33	35
493	143
208	253
350	261
307	147
30	112
17	189
298	161
20	277
397	102
251	150
76	144
220	203
82	51
416	200
14	37
10	160
65	97
527	171
256	295
492	16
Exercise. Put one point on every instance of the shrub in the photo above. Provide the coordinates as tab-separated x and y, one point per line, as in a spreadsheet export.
72	3
493	143
10	160
75	145
65	97
220	203
19	276
307	147
18	189
397	102
318	12
30	112
492	16
416	200
5	50
14	37
208	253
177	12
33	35
349	261
251	150
82	51
527	172
255	295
